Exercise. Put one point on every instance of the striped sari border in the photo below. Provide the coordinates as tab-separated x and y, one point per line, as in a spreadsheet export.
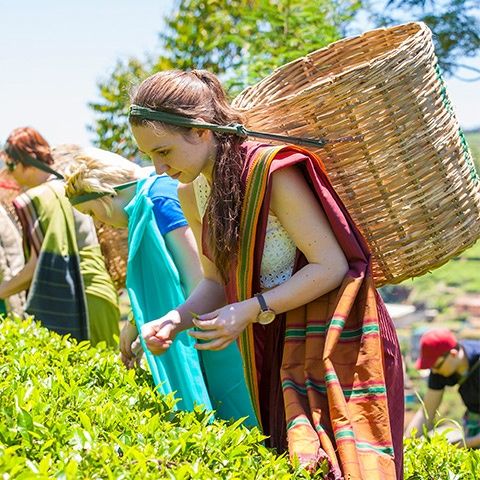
28	216
346	434
320	330
357	392
256	185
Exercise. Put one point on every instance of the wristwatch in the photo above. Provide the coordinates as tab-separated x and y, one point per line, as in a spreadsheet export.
266	315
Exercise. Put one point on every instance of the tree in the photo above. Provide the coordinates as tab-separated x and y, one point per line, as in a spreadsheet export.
240	40
244	40
111	128
455	25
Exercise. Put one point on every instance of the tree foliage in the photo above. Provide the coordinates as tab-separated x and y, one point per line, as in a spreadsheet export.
240	40
455	24
247	39
244	40
111	127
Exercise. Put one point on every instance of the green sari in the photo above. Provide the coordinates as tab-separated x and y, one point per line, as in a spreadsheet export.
71	291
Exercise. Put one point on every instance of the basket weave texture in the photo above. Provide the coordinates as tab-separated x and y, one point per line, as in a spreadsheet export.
410	183
114	245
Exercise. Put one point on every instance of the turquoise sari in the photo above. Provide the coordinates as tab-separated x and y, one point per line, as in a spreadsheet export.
214	380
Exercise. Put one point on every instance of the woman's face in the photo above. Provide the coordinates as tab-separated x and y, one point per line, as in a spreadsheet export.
23	175
180	156
113	215
447	364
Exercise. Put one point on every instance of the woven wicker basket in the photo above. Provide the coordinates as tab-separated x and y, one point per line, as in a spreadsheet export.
114	245
410	185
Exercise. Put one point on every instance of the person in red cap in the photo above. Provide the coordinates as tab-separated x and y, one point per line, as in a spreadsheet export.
451	362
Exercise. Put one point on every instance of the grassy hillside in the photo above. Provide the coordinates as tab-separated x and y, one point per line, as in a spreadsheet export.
440	287
473	139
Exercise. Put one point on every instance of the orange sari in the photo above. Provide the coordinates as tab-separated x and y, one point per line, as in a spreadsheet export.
326	378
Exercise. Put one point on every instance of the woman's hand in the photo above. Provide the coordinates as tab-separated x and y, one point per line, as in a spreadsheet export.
159	334
137	351
127	336
223	326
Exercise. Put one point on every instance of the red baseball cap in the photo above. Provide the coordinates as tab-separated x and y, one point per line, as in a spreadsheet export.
433	345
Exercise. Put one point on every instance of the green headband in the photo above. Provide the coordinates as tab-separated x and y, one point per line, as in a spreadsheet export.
86	197
235	129
22	157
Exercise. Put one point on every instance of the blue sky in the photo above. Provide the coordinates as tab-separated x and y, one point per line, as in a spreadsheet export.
53	52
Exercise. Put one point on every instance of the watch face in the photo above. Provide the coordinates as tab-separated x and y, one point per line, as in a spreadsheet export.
266	317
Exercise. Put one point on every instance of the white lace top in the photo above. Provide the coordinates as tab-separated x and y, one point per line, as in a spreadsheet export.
279	251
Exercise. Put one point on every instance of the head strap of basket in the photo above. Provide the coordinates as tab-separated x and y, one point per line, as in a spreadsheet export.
234	129
410	183
86	197
20	156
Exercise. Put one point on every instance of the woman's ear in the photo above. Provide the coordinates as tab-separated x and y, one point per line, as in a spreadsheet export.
202	133
454	352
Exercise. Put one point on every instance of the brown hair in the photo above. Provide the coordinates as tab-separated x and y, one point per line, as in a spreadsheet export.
198	94
27	141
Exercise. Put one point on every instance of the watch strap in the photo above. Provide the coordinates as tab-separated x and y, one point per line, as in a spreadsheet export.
262	302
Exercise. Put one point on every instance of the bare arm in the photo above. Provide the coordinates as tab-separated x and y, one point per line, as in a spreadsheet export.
303	218
183	249
426	414
472	442
22	280
207	295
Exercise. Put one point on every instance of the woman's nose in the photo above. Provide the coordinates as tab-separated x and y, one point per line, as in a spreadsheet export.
160	168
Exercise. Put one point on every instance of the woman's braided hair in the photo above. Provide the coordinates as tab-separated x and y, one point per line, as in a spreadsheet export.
198	94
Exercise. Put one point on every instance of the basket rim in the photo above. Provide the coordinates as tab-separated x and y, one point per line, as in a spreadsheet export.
421	29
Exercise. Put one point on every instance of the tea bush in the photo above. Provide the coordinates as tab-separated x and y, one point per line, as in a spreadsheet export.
69	411
433	458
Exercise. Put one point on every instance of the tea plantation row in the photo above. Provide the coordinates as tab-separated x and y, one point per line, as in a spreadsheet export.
69	411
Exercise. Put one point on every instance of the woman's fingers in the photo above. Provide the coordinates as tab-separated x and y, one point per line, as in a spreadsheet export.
126	360
136	348
125	349
218	344
124	344
206	324
209	335
207	316
160	329
157	346
149	330
158	335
